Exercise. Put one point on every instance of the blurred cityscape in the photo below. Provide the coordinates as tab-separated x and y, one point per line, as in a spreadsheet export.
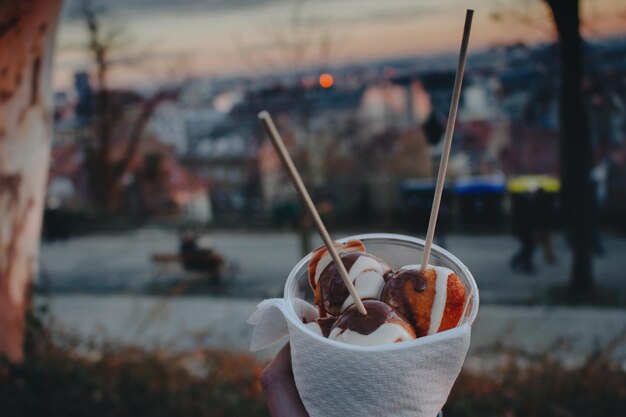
373	129
140	174
187	153
168	215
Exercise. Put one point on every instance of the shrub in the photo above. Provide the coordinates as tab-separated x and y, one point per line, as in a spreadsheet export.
66	378
541	386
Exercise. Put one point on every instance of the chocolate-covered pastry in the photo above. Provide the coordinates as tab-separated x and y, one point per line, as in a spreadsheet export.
366	271
320	258
432	300
382	325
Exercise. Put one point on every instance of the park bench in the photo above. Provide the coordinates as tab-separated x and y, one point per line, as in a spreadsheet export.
169	266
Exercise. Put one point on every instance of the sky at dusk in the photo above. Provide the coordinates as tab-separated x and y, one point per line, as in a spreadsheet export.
184	38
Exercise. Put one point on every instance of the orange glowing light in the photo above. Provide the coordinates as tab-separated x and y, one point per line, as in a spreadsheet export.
326	80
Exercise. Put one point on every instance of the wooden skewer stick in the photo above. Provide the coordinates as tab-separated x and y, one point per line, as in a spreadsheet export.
445	155
278	143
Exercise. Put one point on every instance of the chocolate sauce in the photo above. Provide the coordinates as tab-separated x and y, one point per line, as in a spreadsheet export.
378	313
326	324
334	291
394	294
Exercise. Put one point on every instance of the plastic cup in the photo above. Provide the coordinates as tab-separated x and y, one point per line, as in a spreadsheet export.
411	378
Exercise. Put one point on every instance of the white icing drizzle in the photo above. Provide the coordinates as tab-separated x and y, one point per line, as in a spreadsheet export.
386	334
367	275
321	265
368	285
326	259
441	297
365	263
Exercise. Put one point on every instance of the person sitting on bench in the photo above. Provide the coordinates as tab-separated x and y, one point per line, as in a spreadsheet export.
195	258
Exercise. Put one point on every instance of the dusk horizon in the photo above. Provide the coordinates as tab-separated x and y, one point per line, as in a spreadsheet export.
215	39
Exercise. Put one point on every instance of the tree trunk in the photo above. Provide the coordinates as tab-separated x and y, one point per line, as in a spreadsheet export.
576	150
27	31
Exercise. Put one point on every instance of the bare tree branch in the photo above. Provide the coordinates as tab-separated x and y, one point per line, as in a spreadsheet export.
137	131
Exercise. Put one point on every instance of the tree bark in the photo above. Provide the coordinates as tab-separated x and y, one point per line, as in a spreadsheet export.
575	147
27	31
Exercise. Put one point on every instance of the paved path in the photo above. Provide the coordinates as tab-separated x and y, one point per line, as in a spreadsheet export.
120	263
217	322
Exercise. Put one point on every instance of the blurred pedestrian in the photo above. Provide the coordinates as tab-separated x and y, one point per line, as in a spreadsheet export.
599	179
523	213
545	220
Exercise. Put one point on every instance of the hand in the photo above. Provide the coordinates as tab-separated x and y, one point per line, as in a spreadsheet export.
279	387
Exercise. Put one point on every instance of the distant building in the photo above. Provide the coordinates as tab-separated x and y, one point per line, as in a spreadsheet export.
67	179
156	184
168	124
230	165
203	124
479	101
